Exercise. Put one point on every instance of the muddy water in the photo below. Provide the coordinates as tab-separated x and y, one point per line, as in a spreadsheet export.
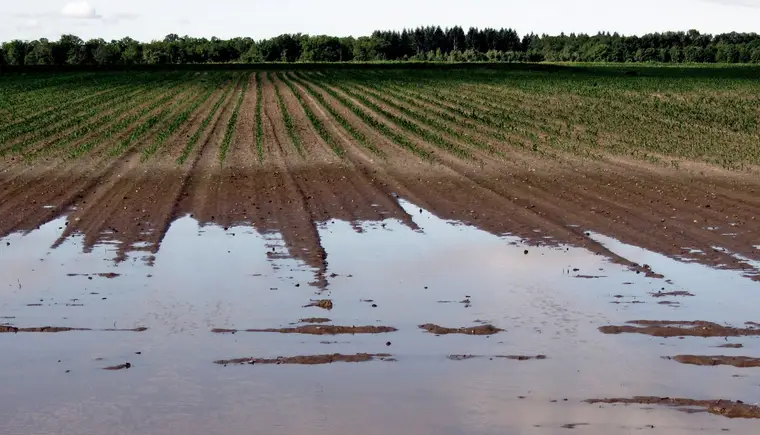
549	301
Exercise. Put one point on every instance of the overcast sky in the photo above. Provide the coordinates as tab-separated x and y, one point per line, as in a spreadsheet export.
153	19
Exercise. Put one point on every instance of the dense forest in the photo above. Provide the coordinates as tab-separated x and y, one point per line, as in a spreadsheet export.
421	44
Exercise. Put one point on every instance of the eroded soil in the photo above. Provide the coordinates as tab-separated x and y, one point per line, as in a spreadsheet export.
726	408
666	328
718	360
472	330
317	330
308	359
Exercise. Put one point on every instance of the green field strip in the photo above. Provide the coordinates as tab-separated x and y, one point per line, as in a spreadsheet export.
371	121
68	123
193	140
406	124
421	114
317	123
56	115
258	120
232	123
177	122
347	126
287	119
150	93
124	123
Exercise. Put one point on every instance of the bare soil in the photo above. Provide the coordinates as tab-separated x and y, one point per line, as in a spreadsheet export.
472	330
512	357
721	360
665	328
53	329
726	408
308	359
315	320
316	330
675	212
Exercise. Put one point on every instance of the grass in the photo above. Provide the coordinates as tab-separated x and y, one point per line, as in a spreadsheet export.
356	134
193	140
317	123
373	122
259	123
287	119
232	123
670	114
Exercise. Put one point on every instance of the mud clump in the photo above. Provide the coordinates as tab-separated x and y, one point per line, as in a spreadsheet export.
317	330
473	330
665	328
309	359
53	329
717	360
109	275
315	320
326	304
124	366
661	294
48	329
512	357
726	408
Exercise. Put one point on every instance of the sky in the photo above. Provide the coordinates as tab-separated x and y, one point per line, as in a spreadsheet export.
147	20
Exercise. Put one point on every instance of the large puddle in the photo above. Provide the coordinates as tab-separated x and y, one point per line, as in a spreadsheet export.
207	287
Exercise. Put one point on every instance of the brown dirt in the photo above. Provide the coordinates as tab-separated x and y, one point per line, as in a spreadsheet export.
326	304
726	408
721	360
662	294
119	367
512	357
126	201
316	330
665	328
473	330
53	329
309	359
315	320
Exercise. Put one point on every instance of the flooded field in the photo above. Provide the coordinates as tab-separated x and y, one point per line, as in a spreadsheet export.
372	253
421	325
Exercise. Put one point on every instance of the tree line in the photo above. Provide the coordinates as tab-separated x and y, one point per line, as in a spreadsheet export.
431	43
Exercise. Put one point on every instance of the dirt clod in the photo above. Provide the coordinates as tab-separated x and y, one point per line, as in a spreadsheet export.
719	360
726	408
326	304
666	328
308	359
473	330
316	330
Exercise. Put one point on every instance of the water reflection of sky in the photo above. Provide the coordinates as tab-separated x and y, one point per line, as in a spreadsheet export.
204	278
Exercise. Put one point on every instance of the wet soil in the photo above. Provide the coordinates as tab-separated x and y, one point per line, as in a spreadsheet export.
473	330
720	360
124	366
511	357
326	304
134	202
726	408
54	329
666	328
309	359
316	330
662	294
315	320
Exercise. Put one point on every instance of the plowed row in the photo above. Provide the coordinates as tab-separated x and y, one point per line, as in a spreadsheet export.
130	157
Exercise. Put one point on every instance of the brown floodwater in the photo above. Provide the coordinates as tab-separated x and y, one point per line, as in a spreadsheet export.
157	312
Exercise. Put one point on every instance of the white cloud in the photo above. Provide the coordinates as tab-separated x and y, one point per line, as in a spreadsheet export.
80	10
